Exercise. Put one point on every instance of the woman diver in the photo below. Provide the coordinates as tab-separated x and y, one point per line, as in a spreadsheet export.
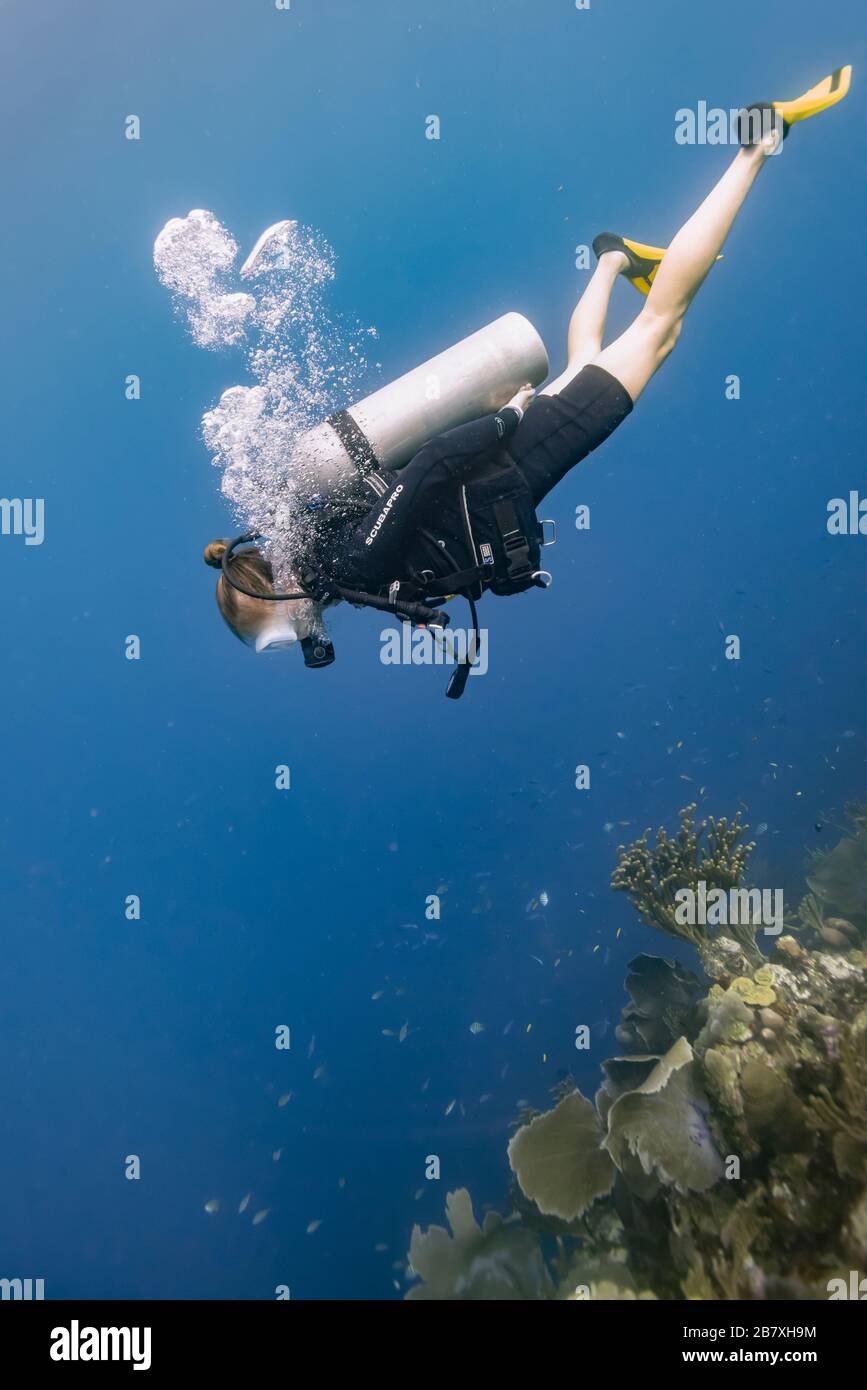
460	517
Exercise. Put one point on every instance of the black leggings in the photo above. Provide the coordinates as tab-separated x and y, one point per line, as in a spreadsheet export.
559	431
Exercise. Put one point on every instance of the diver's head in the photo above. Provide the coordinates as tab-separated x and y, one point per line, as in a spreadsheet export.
266	625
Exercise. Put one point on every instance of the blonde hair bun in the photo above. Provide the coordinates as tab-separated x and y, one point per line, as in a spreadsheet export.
214	552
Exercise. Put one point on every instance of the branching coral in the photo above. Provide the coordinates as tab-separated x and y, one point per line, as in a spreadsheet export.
710	853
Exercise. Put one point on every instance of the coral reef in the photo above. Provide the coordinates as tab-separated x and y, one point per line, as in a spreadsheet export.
725	1154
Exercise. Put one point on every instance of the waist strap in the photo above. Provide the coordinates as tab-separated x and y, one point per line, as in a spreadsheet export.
516	546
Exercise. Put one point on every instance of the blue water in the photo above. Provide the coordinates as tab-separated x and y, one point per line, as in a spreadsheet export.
156	777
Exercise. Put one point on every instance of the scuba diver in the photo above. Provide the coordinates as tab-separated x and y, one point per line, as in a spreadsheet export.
460	517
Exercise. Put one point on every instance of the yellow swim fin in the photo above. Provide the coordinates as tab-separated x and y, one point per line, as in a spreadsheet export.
825	93
759	119
644	261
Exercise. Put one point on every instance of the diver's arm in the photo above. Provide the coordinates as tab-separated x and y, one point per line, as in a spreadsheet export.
463	450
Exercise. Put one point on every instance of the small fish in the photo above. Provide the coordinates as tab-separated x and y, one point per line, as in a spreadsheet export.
313	1226
388	1033
450	1107
244	1203
404	1030
277	1155
485	1098
596	948
341	1183
617	933
608	827
380	1247
212	1206
378	995
318	1072
761	827
418	1194
408	926
543	899
285	1099
477	1028
537	959
509	1026
312	1048
442	888
529	1027
260	1216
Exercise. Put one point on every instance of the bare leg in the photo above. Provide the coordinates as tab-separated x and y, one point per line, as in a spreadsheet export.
638	353
587	325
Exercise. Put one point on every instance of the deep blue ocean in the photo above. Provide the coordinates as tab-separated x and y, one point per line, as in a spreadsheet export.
156	777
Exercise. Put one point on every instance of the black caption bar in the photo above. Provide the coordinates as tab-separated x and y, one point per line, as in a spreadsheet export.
154	1339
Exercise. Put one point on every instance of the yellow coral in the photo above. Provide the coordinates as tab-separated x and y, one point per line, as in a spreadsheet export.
757	995
742	985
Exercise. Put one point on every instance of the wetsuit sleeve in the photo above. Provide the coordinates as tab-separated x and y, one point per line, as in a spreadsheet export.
461	450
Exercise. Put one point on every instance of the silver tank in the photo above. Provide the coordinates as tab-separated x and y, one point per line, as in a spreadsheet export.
475	377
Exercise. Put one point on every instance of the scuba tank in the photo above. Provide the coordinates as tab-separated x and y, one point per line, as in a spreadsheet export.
386	429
